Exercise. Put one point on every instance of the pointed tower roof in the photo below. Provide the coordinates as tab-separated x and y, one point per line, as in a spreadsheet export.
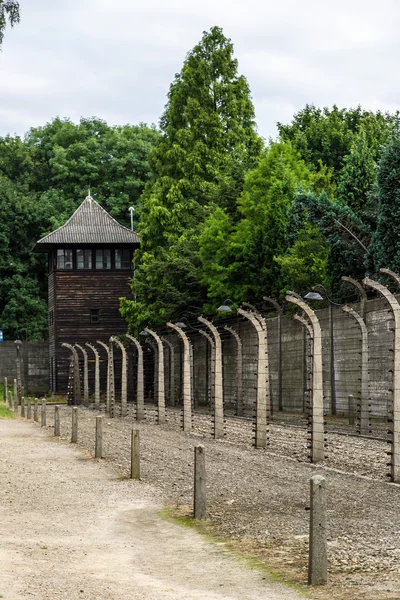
90	224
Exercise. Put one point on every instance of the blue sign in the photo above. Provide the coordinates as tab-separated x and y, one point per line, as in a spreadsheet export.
1	335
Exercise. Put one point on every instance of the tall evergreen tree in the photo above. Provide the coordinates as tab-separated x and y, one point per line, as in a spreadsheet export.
385	248
208	130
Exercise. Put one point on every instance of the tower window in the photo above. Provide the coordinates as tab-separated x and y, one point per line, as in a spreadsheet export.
94	315
64	259
103	259
84	259
123	259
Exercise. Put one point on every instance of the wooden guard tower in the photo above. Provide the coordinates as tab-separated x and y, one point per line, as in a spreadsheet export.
90	265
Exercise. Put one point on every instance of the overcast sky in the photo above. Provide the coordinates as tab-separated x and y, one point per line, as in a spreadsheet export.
115	59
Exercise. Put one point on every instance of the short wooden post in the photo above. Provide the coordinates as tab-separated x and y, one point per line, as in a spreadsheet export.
98	450
135	454
10	400
29	409
23	407
351	409
35	410
43	414
56	420
74	433
317	562
199	483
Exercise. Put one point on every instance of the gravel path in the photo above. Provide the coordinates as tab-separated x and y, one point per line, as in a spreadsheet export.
259	498
71	530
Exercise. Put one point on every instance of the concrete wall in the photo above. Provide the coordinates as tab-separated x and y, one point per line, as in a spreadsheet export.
35	370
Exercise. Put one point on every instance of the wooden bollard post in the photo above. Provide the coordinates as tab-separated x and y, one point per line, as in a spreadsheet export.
351	409
199	483
135	454
10	401
35	410
98	450
318	561
29	409
74	432
43	414
56	420
23	407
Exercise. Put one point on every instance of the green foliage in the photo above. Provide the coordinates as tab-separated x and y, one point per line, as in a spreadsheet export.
238	261
326	135
43	179
9	11
304	264
357	180
208	143
385	248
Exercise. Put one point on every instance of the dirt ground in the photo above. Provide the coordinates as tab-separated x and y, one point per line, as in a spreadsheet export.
258	500
72	530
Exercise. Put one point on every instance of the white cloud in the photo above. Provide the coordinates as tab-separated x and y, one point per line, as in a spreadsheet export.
116	58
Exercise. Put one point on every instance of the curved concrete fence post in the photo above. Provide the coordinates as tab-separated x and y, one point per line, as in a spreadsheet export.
139	379
187	405
260	438
395	306
124	375
160	387
364	415
279	310
309	383
239	370
361	292
218	382
85	375
96	375
211	389
111	367
263	323
171	395
76	384
106	348
317	399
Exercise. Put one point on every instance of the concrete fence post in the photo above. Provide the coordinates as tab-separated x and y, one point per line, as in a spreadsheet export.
187	405
98	451
29	409
171	395
43	414
85	375
364	414
239	371
5	390
140	379
124	375
135	454
317	399
74	431
395	307
10	401
200	502
76	379
23	407
351	409
279	310
108	375
218	383
318	560
211	387
96	376
15	396
36	410
262	402
161	383
56	421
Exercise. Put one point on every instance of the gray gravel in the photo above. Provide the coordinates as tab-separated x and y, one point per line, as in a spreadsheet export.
260	498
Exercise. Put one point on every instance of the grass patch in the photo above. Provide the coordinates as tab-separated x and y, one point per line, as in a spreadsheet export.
250	560
5	412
